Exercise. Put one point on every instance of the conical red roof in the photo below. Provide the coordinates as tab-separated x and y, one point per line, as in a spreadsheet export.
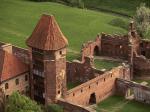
47	35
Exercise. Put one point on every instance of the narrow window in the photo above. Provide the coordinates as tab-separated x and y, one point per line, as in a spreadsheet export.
104	79
26	77
6	86
59	92
60	52
17	81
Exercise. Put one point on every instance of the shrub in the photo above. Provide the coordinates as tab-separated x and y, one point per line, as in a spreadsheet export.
20	103
54	108
142	20
119	23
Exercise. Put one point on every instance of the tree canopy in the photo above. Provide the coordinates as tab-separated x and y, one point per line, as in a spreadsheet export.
142	19
20	103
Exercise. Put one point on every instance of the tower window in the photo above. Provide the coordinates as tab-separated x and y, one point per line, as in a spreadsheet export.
60	52
59	92
104	79
26	77
6	86
17	81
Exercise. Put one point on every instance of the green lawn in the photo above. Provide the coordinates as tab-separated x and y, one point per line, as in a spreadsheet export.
119	104
139	81
104	64
19	17
126	7
71	85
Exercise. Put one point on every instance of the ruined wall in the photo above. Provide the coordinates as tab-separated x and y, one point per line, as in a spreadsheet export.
91	48
101	87
70	107
140	93
115	46
81	71
145	48
141	66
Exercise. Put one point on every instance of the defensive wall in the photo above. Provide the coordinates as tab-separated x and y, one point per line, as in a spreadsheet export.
98	88
138	91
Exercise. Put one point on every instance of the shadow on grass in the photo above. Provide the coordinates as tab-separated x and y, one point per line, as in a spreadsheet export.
119	104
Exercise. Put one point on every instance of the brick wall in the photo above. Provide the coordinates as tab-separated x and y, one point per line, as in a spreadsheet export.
116	46
102	86
81	71
22	87
91	48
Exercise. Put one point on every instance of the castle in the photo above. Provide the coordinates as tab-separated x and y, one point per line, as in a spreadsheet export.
42	71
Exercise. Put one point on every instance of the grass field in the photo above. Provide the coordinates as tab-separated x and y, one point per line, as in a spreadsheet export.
139	81
119	104
104	64
123	7
127	7
19	17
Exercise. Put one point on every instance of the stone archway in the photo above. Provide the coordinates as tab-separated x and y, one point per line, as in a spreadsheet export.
92	99
96	51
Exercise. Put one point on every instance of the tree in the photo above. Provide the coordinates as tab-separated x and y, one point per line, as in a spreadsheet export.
20	103
142	20
54	108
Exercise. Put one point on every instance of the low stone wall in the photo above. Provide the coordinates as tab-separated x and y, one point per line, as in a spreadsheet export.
141	93
97	88
70	107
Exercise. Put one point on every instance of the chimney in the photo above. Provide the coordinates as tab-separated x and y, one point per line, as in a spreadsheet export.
7	47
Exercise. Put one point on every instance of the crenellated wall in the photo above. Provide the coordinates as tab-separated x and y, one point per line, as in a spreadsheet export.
97	88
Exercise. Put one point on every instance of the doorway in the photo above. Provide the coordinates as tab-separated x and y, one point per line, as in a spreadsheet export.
96	51
92	99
